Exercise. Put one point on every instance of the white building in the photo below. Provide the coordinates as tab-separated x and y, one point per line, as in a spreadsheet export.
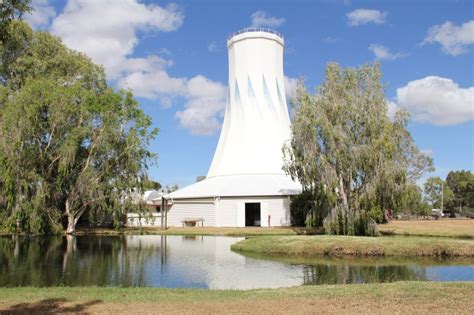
245	185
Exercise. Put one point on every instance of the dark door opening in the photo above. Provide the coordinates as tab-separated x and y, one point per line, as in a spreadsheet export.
252	214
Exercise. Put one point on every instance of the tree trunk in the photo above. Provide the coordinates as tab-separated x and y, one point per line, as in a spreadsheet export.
71	222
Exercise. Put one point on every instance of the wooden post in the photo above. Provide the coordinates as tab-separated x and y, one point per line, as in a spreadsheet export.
161	211
166	214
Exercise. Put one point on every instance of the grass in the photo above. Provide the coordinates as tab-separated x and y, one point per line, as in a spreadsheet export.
461	228
324	245
399	297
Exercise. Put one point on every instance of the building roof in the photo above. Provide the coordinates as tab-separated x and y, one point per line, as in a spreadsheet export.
239	186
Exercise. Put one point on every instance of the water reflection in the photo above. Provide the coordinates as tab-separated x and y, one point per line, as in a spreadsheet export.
184	261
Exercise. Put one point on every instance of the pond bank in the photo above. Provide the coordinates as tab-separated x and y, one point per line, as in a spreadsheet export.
337	246
399	297
217	231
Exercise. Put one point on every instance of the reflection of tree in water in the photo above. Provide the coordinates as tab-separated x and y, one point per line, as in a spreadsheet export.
72	260
29	261
341	274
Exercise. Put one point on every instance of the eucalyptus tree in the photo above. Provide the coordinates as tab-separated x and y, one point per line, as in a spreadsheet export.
461	183
348	153
69	142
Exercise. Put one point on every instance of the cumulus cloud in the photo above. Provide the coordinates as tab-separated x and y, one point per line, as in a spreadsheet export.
436	100
204	107
107	30
42	14
382	52
364	16
392	109
290	86
262	19
454	40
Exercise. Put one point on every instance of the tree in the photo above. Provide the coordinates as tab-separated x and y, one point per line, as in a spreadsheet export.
11	10
412	201
437	192
149	184
69	142
345	149
461	184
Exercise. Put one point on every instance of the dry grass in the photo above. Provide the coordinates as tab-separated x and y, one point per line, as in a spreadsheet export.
463	228
325	245
399	298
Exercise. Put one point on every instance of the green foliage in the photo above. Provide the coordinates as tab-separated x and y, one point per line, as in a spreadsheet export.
437	193
461	183
11	10
375	213
346	150
412	201
68	142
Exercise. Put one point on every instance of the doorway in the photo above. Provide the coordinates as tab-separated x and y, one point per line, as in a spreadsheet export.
252	214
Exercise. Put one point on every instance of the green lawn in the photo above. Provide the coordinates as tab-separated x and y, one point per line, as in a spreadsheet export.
399	297
325	245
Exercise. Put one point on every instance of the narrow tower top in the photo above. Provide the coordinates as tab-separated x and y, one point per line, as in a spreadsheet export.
255	32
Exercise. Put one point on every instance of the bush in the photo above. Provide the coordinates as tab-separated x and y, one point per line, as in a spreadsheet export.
360	224
376	214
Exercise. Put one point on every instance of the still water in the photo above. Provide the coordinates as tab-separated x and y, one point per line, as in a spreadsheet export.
191	262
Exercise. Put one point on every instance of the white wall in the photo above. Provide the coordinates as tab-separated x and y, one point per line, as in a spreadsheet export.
231	211
202	208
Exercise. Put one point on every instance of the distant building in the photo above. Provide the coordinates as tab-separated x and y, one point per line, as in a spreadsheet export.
245	185
152	200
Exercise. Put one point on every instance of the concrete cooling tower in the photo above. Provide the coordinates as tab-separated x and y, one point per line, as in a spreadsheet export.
245	185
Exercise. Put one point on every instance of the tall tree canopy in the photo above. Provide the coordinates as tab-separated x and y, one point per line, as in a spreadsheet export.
68	142
347	152
461	183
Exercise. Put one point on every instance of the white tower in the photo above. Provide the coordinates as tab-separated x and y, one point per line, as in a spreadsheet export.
245	183
256	123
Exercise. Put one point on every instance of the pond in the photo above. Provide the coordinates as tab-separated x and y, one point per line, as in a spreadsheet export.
192	262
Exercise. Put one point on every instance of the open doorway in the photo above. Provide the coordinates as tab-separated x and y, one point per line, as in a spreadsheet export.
252	214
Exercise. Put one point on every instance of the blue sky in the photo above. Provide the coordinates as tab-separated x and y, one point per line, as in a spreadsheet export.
173	55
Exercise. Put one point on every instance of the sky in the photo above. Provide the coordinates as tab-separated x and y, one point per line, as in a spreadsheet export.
173	56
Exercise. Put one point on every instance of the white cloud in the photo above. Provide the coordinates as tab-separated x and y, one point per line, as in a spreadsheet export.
382	52
290	86
154	85
42	14
436	100
364	16
204	107
392	109
454	39
106	30
213	47
262	19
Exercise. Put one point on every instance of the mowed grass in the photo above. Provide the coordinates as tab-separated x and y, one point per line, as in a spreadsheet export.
337	246
463	228
387	298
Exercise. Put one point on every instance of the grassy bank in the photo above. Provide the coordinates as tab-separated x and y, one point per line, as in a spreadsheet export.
400	297
461	228
324	245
